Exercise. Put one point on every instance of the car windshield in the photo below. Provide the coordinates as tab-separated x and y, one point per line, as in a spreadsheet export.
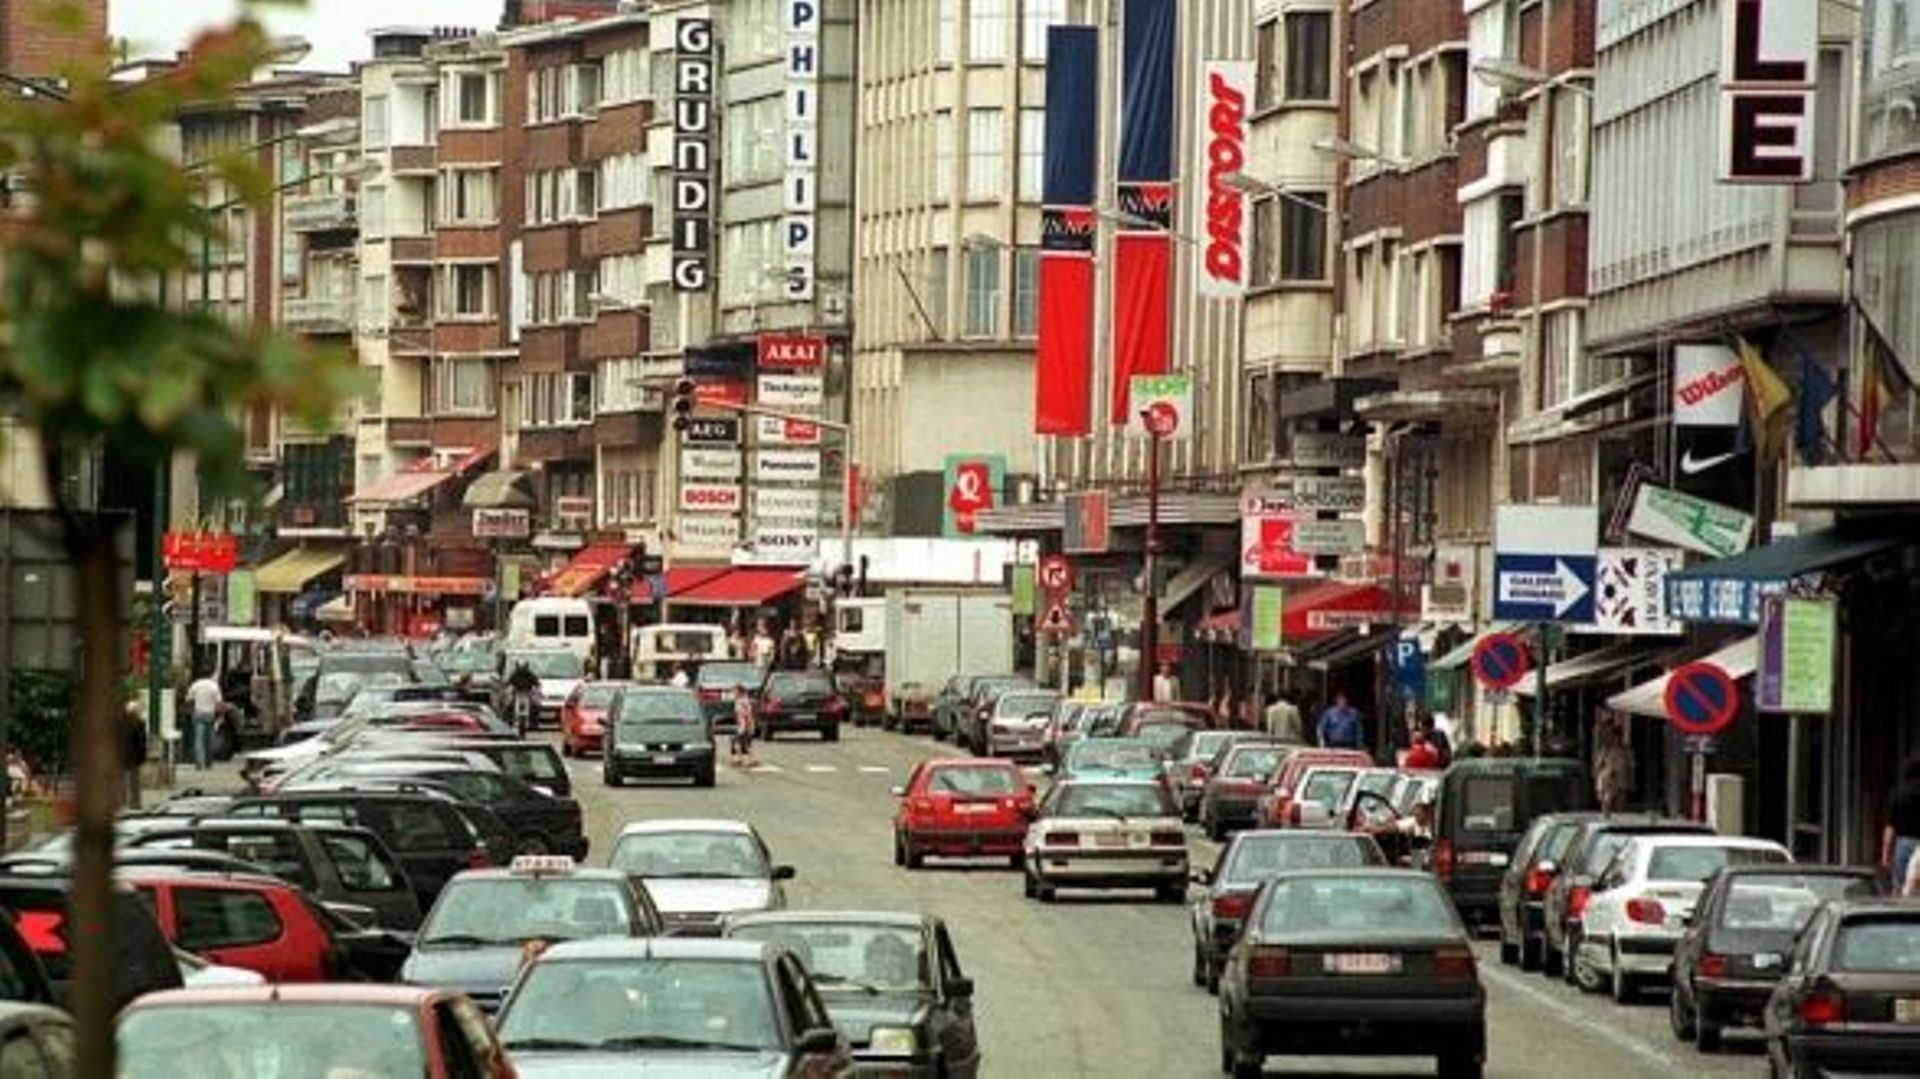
977	779
309	1041
727	675
338	687
1698	863
1200	745
1327	788
1161	734
1258	857
1357	907
1252	762
1119	754
532	763
1026	705
1880	945
1111	800
598	694
1783	903
798	684
844	957
546	664
1601	850
468	662
474	911
361	866
1553	845
656	855
634	1003
645	715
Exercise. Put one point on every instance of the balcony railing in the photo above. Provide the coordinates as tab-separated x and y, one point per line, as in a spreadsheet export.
320	213
318	314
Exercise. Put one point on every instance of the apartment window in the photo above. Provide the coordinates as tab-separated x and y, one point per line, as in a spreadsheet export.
1261	429
558	297
1493	33
624	278
557	399
1559	357
471	99
933	287
1267	71
623	182
1303	234
946	32
627	496
462	385
374	302
373	122
1026	291
755	141
1309	55
1572	132
468	197
983	292
469	290
1506	241
624	77
943	155
1035	17
1265	246
618	385
988	24
986	154
755	29
1033	145
372	202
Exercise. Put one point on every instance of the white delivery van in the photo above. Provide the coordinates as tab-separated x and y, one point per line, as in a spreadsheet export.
657	648
552	622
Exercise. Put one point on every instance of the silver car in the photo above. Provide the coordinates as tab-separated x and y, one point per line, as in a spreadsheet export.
699	871
1107	833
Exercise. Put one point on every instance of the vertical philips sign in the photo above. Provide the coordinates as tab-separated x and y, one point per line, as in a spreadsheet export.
798	228
693	130
1226	91
1768	55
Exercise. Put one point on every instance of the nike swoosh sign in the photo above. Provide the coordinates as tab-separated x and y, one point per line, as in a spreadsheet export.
1692	465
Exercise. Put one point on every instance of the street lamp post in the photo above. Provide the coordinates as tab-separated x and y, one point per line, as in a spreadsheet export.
1150	593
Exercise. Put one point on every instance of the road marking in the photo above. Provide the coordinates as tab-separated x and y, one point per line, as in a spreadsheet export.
767	768
875	769
1570	1014
822	768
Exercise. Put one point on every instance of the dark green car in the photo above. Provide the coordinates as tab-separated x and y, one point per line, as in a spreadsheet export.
658	732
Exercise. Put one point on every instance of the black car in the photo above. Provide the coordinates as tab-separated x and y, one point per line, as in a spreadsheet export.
41	912
1523	887
716	682
800	701
1482	807
541	823
891	982
1849	1002
1736	944
347	868
1249	860
1352	962
1593	845
430	832
537	764
658	732
326	694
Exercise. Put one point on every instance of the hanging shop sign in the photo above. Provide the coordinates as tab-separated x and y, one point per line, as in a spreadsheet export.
710	497
1226	95
1266	537
792	351
710	464
502	524
1768	58
786	466
1798	638
1330	494
1632	591
799	226
693	133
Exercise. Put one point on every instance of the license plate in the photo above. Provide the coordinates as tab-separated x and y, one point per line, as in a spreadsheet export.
1361	963
800	718
973	807
663	758
1906	1010
1109	840
1483	857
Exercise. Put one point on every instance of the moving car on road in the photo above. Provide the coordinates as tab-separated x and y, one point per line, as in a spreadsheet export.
1106	833
698	871
964	808
1736	945
1353	962
583	717
670	1007
658	732
891	982
970	721
1017	726
1114	758
1849	1002
1234	785
801	701
1247	861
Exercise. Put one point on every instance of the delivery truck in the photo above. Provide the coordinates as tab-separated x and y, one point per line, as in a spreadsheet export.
933	633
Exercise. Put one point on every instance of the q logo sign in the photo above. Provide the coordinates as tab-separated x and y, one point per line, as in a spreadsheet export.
1223	255
972	492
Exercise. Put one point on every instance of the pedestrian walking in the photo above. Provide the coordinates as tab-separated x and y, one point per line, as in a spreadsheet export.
764	647
1612	764
133	750
1339	726
1282	718
204	702
1421	755
1900	840
1436	738
744	728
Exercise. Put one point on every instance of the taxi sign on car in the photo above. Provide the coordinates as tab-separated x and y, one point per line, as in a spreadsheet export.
540	865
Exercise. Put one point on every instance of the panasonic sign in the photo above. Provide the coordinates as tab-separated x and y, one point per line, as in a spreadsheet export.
1226	93
693	131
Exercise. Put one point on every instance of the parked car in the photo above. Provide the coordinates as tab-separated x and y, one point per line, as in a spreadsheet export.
1247	861
1588	853
1274	809
716	681
1190	761
892	983
583	717
1482	808
537	764
1523	887
1328	793
1643	899
1230	799
345	867
800	701
970	722
428	832
1849	1002
541	823
1735	947
1106	833
23	980
961	807
42	915
1114	758
268	926
658	732
1017	723
699	871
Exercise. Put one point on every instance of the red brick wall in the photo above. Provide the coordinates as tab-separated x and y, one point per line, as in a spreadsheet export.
1417	24
33	45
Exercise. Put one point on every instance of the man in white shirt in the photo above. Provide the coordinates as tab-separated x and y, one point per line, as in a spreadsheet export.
1166	688
204	701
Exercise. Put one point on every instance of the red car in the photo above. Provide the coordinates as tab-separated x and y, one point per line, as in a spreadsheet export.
583	718
285	1030
256	923
962	808
1276	806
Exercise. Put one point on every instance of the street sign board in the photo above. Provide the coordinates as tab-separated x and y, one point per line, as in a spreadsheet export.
1026	600
1408	665
1056	574
200	552
1163	406
711	431
1797	640
1333	494
1500	661
502	524
1701	699
1669	516
1631	597
1268	616
1267	524
1322	449
1546	561
698	464
1315	537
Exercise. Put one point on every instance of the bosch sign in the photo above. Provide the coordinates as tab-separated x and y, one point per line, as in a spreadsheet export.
710	496
1223	257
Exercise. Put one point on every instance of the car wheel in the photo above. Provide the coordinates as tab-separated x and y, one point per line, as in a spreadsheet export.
704	777
915	859
1017	860
1213	977
1529	954
830	734
1172	893
1509	953
1234	1062
1706	1036
1199	966
1679	1017
1028	887
1461	1066
1213	829
899	849
611	779
1581	969
1550	962
1622	987
566	747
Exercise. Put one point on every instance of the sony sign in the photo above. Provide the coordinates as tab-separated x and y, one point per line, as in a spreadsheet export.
1227	94
693	132
1769	53
799	226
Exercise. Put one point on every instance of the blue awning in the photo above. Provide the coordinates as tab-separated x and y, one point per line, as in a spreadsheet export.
1729	590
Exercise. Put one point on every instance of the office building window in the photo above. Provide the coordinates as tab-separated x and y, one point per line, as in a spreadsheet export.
755	29
1571	132
1035	17
1267	71
1303	232
1262	431
1033	145
755	141
1026	291
946	32
1266	243
983	292
986	154
932	287
1309	55
988	24
943	155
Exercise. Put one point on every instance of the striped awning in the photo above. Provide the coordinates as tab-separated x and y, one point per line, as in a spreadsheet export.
290	573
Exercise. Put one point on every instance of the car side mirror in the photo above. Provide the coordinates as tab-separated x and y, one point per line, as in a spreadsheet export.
783	872
818	1040
960	987
1202	876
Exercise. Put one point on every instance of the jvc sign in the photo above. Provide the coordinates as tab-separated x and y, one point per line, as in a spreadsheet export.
1769	52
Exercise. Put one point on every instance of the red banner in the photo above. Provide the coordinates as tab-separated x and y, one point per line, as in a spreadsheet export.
1142	265
200	552
1063	360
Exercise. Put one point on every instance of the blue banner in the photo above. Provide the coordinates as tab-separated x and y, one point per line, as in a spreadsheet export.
1073	116
1146	92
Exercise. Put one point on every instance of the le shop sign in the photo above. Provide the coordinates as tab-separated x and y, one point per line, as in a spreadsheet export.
1227	89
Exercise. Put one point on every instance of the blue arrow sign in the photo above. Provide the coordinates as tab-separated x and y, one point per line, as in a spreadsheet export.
1544	587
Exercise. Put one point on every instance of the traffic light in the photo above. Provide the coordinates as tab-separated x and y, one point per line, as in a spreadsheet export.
683	391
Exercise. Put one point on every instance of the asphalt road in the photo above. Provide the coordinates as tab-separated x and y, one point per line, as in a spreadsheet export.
1095	985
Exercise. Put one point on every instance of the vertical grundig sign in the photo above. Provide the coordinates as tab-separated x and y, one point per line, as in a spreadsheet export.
1767	66
1226	93
798	228
693	131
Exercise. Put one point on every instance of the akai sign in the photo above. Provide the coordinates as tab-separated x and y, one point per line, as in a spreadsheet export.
1227	96
1768	59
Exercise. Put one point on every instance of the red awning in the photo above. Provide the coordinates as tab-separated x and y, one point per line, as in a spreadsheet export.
1221	625
679	580
586	569
741	588
1320	609
418	478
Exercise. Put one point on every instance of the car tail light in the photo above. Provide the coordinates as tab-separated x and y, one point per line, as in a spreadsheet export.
1293	814
1646	912
477	858
1269	963
1824	1007
1713	966
1538	881
770	706
709	694
919	806
838	704
1063	839
1232	905
1242	786
1443	858
1197	773
1453	963
1169	839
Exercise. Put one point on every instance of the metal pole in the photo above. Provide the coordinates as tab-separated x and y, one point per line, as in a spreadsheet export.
1150	601
6	665
1540	688
193	628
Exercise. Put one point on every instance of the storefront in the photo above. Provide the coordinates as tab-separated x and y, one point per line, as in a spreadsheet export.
293	585
416	606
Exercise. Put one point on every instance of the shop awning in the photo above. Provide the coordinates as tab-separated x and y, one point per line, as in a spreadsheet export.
1729	590
678	581
1319	609
338	609
398	488
499	490
741	588
1738	659
1464	652
1344	647
1587	667
592	563
418	586
290	573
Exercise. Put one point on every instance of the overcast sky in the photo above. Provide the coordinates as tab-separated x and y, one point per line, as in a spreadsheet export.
160	27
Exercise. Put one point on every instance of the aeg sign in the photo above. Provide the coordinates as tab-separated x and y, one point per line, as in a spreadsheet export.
1767	64
1227	90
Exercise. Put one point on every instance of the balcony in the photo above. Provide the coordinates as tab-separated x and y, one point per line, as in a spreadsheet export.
319	315
321	213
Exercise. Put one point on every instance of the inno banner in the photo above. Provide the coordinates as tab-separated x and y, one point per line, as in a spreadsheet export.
1143	247
693	131
1063	352
1226	95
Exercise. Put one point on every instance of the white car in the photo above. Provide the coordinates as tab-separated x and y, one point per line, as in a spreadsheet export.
700	871
1106	833
1328	791
1642	900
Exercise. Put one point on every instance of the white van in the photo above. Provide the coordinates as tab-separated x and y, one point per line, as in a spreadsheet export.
552	622
657	648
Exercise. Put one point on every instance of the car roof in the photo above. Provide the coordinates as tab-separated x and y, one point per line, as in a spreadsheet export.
265	824
1877	907
1801	869
1685	839
1107	781
724	948
1517	764
902	919
1293	835
999	763
584	872
233	882
1381	872
686	824
401	996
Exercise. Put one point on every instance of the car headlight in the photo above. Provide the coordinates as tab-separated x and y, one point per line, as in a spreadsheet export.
894	1041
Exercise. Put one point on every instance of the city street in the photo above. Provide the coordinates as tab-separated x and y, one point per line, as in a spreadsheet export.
1095	984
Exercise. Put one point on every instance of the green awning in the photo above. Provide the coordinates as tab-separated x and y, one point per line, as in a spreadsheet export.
1460	655
1729	590
499	490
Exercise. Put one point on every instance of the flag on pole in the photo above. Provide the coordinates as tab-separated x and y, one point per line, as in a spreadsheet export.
1817	391
1143	249
1768	395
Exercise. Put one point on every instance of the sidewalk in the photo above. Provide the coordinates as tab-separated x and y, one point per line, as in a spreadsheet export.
31	820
